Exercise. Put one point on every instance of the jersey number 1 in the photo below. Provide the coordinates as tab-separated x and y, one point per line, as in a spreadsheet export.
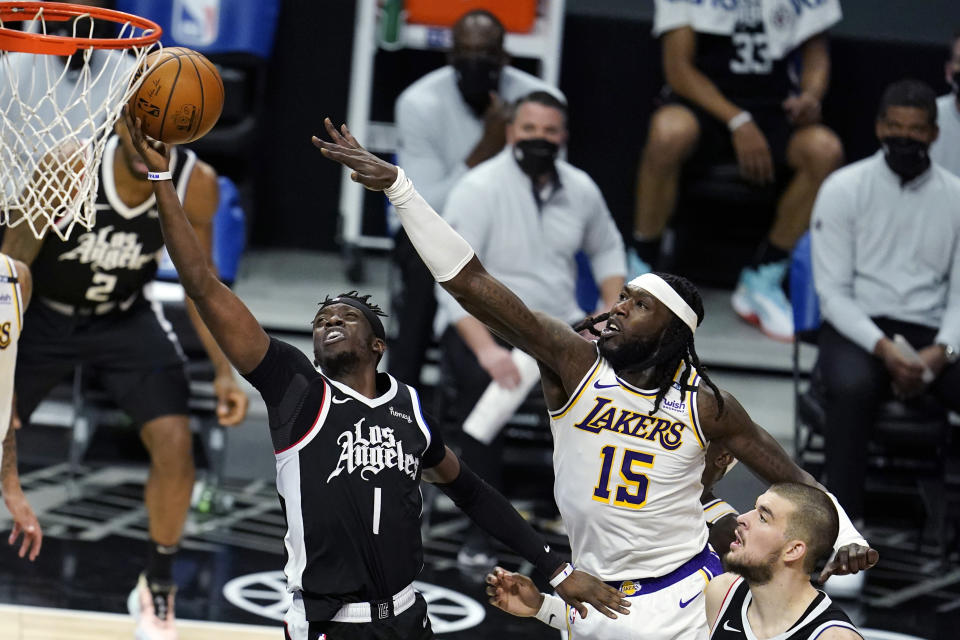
632	492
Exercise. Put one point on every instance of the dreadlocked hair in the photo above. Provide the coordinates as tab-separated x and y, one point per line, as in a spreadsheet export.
365	299
677	347
676	344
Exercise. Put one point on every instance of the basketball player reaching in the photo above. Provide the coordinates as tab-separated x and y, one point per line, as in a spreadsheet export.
766	592
16	287
90	309
631	417
351	447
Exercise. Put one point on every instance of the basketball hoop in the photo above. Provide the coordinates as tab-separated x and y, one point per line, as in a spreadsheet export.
62	88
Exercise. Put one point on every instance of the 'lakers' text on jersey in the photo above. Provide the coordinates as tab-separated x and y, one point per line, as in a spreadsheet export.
114	260
628	479
348	475
732	622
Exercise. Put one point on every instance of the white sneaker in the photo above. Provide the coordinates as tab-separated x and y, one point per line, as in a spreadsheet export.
849	586
152	605
759	299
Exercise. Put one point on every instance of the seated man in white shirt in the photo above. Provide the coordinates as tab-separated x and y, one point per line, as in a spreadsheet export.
945	150
527	214
448	122
886	261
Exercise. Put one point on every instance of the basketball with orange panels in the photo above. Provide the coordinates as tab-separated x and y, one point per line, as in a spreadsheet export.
180	97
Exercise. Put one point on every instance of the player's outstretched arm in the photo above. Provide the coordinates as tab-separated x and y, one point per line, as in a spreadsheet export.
754	447
235	329
453	264
495	515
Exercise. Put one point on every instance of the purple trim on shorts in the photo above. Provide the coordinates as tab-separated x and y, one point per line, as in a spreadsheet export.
707	560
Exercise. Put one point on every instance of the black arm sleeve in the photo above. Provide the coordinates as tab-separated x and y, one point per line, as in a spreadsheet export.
495	515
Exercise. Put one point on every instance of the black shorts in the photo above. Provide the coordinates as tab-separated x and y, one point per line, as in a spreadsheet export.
135	359
412	624
716	147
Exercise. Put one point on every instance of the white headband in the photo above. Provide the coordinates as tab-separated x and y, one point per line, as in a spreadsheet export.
659	289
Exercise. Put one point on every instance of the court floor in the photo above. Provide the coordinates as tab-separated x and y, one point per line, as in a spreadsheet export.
229	568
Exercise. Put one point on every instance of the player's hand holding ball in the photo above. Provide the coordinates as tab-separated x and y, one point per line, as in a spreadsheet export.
155	154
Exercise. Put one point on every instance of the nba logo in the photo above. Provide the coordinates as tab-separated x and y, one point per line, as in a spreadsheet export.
196	23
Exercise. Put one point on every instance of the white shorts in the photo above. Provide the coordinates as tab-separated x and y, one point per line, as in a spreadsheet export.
673	612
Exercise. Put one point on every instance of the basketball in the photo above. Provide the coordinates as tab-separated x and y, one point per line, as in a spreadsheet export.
180	97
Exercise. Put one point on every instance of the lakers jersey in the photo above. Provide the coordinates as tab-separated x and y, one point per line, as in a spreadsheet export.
11	319
628	479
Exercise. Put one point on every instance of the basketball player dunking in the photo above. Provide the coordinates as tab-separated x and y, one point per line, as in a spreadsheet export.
90	310
766	592
631	417
351	446
16	287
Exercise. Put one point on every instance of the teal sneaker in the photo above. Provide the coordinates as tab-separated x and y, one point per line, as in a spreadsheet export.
759	299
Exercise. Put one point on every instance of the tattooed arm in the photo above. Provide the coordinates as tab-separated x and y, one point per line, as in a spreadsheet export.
548	340
757	449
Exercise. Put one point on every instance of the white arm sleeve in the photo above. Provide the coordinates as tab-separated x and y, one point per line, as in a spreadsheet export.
441	248
847	533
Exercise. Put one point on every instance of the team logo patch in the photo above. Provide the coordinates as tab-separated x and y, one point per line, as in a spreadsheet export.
629	588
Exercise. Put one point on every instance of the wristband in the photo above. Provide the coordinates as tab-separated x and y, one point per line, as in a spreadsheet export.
739	120
553	612
560	577
154	176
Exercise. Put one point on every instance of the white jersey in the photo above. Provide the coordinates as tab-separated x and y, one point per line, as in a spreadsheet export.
627	479
11	321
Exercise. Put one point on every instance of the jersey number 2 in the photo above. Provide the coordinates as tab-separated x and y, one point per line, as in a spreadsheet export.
103	284
632	492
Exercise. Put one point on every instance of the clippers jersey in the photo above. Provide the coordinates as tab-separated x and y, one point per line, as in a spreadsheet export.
627	480
11	321
348	476
115	259
732	622
739	65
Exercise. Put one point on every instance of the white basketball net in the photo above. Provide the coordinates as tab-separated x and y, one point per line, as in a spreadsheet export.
56	114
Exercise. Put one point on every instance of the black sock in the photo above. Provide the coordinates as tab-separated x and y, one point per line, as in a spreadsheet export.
767	253
160	561
648	250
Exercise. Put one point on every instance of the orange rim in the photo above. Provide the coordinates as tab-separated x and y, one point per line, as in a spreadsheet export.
14	40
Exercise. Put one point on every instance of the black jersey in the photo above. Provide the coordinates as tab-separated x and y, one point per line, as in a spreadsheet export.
732	624
114	260
348	475
739	65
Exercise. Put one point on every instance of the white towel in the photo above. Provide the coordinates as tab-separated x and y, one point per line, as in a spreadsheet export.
497	404
788	23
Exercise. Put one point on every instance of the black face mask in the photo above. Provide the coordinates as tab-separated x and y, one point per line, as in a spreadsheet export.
955	83
536	156
906	157
476	78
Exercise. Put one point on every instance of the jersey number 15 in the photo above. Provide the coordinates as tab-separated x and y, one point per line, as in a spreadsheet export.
632	491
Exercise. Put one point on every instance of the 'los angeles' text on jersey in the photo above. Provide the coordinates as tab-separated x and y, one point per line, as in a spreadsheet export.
115	259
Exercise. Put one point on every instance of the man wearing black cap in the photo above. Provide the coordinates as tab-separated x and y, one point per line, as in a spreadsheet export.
351	445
